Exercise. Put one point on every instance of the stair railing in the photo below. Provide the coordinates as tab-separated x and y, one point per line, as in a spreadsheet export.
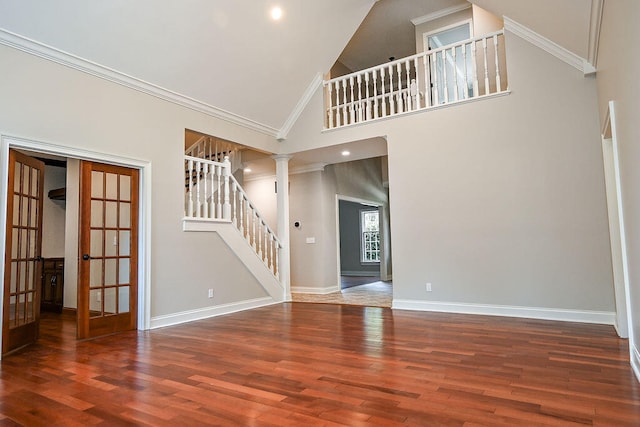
213	194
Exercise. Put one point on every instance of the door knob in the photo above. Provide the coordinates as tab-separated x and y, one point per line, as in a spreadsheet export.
86	257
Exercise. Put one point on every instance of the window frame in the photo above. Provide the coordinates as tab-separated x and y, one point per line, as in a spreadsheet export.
362	231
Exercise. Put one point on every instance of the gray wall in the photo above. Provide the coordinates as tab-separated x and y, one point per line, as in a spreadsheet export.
496	202
617	79
47	102
350	253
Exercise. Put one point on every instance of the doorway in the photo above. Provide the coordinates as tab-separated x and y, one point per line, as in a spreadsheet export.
131	246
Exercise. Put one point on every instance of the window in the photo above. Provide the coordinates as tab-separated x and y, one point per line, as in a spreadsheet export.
369	236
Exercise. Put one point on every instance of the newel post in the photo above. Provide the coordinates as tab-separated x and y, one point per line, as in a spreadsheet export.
282	186
226	207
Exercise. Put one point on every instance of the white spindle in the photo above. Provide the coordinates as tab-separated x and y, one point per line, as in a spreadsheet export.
399	104
277	272
382	99
219	192
226	208
374	74
392	106
455	74
445	82
495	47
344	101
330	105
352	115
360	118
241	213
436	83
474	69
198	179
234	207
366	85
416	66
486	67
207	199
466	76
254	219
427	80
407	66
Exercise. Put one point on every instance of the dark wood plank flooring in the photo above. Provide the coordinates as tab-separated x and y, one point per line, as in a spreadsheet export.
319	364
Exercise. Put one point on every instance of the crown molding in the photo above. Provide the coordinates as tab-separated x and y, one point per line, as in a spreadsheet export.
300	106
58	56
440	13
311	167
549	46
594	30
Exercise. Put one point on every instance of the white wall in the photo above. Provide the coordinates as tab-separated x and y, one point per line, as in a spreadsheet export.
48	102
498	202
617	79
53	214
262	193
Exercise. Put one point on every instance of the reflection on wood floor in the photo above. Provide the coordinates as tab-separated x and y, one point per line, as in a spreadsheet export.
373	293
302	364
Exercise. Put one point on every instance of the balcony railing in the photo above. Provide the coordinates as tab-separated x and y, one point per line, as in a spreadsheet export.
458	72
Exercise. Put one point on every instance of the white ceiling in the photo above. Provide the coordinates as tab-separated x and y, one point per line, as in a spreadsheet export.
226	53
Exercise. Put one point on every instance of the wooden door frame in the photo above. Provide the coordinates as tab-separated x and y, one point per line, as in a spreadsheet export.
144	213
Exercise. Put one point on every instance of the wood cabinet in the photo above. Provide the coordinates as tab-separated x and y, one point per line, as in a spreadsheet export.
52	285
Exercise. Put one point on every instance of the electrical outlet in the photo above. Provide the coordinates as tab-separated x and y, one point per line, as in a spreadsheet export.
428	287
210	293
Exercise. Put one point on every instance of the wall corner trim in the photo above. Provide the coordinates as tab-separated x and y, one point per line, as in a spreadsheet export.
58	56
439	14
549	46
566	315
300	106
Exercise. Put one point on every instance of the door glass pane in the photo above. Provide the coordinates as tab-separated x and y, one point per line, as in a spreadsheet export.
109	272
13	309
21	313
14	244
97	184
125	187
124	271
33	212
23	243
112	186
123	299
17	177
14	278
35	182
111	243
26	174
16	210
22	278
31	268
110	301
33	243
125	236
25	211
95	273
30	308
125	215
96	213
111	214
96	243
95	302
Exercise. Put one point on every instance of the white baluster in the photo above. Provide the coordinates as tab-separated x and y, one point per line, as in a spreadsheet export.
399	105
417	103
408	101
360	118
434	74
455	74
495	46
344	102
366	85
466	75
486	67
264	241
241	213
219	191
190	183
234	197
427	81
445	83
330	106
392	106
254	219
474	69
374	74
277	272
198	179
382	98
226	209
352	115
205	180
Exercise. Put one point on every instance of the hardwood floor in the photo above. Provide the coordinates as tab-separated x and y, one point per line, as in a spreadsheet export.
321	364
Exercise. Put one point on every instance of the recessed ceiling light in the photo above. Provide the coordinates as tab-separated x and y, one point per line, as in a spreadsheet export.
247	170
276	13
346	153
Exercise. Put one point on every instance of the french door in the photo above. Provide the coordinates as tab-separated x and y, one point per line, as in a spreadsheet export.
108	266
22	261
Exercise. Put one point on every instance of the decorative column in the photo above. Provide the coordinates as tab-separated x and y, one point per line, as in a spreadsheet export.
282	188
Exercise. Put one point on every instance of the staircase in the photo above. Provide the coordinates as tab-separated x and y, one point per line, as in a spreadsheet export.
210	148
215	201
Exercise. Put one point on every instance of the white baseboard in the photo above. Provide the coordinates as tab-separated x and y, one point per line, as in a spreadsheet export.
310	290
360	273
204	313
582	316
635	361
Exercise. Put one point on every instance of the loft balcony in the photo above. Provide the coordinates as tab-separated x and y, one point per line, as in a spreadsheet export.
463	71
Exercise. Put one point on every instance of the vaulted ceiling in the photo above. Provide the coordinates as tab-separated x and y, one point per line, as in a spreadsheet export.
229	54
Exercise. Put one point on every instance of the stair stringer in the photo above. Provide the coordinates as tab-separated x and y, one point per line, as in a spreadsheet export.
243	250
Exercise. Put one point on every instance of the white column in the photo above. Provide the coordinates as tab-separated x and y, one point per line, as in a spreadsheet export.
282	183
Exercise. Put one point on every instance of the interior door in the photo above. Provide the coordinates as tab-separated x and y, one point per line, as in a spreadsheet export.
108	266
22	261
